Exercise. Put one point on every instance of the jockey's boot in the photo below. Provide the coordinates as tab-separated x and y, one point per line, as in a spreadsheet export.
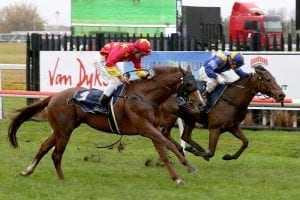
101	107
103	100
203	98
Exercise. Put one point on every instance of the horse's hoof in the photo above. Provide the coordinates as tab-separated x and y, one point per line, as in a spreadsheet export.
205	158
192	169
179	181
24	173
198	153
227	157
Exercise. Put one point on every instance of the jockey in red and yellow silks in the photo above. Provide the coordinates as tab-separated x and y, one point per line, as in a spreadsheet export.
114	52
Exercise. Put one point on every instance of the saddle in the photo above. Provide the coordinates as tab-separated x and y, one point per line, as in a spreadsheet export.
212	97
88	101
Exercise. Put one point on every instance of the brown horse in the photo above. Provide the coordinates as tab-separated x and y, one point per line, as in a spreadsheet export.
226	115
136	113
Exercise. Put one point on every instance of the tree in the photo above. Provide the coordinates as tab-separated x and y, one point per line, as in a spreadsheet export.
20	17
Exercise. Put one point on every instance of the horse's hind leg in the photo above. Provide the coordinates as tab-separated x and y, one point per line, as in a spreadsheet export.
163	156
238	133
60	146
45	147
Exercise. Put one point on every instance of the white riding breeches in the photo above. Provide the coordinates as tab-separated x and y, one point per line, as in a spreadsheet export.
211	83
112	81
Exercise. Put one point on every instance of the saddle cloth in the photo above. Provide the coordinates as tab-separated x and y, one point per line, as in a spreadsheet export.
88	99
213	97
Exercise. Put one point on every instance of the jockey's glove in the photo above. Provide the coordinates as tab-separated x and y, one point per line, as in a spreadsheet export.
141	74
221	80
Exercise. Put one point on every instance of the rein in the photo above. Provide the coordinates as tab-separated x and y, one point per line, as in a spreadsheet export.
150	102
230	102
163	85
137	96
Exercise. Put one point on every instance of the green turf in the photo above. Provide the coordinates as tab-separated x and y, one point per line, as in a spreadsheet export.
12	53
268	169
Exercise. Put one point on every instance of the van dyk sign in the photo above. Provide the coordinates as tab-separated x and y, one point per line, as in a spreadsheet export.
60	70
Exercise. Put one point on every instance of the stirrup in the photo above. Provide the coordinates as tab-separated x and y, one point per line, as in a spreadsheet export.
100	109
204	96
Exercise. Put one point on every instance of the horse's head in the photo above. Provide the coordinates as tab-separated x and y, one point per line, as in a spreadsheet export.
173	80
189	90
188	84
266	83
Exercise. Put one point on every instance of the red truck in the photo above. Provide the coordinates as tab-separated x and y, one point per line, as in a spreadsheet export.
247	19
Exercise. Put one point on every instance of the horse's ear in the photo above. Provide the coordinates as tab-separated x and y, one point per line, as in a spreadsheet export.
182	70
185	72
259	66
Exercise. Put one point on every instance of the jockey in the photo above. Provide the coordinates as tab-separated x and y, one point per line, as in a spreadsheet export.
114	52
212	72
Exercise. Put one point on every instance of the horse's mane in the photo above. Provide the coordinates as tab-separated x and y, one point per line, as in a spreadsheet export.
258	68
242	80
161	70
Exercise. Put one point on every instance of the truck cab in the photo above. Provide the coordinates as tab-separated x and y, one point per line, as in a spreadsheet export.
247	19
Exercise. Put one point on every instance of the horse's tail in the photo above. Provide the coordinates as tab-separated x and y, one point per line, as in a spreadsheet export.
23	115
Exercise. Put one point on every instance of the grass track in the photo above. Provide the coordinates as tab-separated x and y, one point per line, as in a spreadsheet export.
14	53
268	169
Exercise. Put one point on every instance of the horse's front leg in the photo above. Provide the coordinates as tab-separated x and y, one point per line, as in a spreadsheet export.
238	133
187	137
166	131
214	135
151	132
163	156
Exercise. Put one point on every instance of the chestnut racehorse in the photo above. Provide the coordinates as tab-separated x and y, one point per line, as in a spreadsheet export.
136	113
226	115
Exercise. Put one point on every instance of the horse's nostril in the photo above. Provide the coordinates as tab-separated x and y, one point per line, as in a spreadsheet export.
281	96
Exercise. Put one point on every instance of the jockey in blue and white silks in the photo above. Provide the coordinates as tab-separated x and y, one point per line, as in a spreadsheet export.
213	72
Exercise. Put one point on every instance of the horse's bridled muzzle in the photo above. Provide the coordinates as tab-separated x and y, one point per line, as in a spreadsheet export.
281	97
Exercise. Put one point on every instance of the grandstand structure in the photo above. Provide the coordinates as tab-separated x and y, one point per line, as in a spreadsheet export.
126	17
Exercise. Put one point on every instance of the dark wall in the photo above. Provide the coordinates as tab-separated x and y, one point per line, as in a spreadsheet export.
297	14
201	22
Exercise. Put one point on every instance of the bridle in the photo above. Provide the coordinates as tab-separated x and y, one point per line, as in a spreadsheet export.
182	89
261	84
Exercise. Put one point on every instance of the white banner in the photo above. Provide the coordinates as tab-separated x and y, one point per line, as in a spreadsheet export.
284	66
60	70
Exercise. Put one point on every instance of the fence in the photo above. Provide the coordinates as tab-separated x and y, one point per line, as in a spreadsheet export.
174	42
266	118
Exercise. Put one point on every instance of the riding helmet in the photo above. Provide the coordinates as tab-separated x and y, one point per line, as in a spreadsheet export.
237	58
143	45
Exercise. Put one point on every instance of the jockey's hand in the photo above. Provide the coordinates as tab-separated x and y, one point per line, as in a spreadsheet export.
124	79
221	80
149	76
143	74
